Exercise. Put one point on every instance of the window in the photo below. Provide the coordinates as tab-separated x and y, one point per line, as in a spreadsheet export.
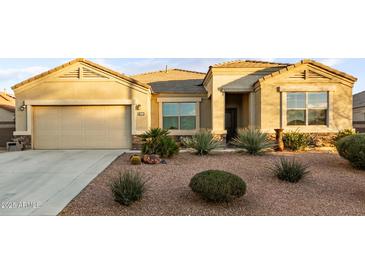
180	116
307	108
296	114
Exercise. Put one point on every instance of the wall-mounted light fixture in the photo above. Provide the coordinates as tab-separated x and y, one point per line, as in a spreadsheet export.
138	106
22	107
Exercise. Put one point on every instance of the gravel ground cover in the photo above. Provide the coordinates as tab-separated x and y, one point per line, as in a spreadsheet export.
332	188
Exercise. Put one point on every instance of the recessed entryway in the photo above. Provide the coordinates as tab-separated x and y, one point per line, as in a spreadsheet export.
236	113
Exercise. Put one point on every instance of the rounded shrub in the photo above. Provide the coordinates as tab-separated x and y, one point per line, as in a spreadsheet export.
352	148
218	185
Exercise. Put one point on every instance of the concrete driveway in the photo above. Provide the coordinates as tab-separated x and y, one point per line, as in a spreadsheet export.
43	182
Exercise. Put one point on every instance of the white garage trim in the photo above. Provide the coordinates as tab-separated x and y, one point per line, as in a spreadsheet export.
30	103
77	102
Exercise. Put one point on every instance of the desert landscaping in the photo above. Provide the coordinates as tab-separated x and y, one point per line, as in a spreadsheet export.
333	187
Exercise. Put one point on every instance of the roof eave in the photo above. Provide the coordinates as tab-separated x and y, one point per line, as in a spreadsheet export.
206	75
105	69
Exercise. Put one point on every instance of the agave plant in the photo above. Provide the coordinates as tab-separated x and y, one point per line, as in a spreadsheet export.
202	142
253	141
290	170
128	187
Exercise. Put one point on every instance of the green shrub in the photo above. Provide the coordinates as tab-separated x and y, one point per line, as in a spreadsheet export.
167	147
290	170
295	140
202	142
128	188
352	148
217	185
253	141
343	133
157	141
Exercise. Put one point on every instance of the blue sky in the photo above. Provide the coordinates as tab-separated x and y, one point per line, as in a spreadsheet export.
13	71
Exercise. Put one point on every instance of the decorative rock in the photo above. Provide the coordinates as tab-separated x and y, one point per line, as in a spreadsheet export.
163	162
151	159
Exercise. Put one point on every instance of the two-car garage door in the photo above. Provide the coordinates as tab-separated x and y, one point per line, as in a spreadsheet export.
81	127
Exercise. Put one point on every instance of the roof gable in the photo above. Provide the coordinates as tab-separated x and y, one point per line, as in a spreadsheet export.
311	70
86	70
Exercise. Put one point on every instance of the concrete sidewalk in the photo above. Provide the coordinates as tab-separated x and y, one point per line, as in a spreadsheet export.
43	182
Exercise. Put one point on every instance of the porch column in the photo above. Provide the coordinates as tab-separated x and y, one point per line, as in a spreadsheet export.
218	112
252	108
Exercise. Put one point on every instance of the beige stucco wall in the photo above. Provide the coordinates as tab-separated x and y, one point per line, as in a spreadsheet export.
105	90
154	111
339	94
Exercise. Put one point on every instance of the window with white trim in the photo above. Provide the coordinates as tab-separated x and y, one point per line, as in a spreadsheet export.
179	116
307	108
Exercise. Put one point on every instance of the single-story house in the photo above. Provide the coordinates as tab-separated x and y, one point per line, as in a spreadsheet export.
7	117
82	105
359	111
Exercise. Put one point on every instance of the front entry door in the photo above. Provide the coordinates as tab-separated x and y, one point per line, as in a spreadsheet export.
231	123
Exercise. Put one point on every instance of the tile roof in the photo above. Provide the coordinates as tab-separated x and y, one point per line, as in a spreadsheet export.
249	64
7	101
173	80
8	107
90	63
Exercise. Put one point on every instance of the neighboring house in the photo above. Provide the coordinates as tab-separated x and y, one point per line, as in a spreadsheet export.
359	111
7	123
84	105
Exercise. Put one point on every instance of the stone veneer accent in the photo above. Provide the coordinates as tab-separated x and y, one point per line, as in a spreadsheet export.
317	139
27	140
322	139
136	142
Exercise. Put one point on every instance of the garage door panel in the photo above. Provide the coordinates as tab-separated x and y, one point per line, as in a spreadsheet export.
81	127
